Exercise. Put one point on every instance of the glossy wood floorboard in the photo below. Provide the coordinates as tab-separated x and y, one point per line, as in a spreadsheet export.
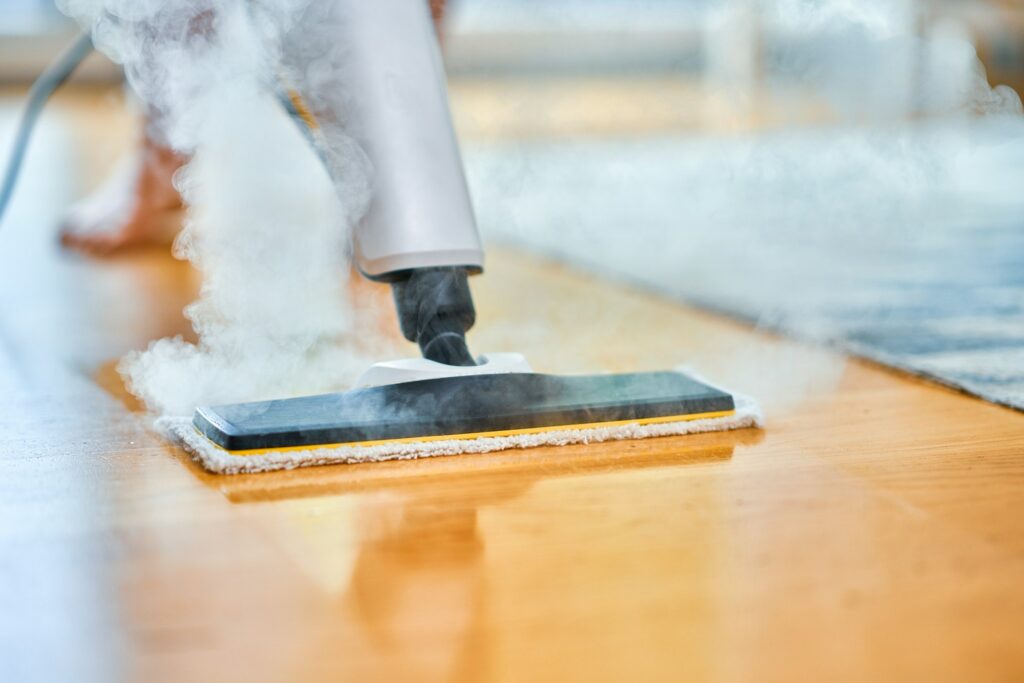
873	531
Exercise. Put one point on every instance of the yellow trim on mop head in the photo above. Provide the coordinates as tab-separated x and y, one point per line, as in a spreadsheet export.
479	435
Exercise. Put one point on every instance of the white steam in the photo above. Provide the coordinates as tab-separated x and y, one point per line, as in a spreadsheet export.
266	227
909	141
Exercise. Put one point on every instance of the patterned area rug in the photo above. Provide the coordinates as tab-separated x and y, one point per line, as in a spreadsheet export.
903	245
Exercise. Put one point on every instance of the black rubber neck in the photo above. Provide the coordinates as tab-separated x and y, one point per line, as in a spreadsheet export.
435	309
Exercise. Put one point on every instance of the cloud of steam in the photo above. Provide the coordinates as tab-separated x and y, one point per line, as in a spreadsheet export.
734	221
266	226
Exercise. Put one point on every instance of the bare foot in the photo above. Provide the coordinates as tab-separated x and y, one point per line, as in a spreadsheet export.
137	205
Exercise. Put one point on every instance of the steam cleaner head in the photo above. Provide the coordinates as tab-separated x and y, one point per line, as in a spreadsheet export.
459	407
449	415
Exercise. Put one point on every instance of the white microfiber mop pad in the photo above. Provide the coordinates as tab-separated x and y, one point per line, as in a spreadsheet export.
217	460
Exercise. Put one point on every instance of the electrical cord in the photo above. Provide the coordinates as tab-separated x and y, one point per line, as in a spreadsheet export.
47	83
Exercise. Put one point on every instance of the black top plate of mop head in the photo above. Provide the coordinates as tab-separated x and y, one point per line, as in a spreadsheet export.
462	407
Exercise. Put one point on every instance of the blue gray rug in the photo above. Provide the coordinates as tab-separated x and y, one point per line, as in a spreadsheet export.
903	245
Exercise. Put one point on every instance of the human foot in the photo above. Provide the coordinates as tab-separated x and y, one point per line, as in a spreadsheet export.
137	205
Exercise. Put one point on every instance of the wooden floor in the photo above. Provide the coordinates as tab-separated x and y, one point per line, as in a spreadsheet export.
873	531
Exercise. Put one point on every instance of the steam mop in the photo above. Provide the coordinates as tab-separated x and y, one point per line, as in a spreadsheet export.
420	236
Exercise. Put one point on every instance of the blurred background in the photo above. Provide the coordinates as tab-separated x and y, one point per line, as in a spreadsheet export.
737	44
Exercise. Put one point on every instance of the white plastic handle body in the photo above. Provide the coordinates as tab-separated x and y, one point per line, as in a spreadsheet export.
420	214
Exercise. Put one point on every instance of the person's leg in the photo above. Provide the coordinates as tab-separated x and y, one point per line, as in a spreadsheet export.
138	204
